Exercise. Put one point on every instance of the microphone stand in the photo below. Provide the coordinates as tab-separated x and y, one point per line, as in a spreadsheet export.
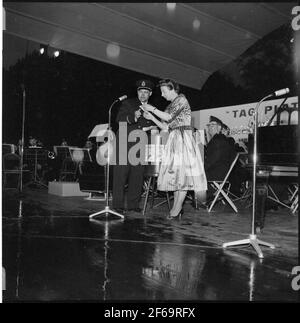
22	139
252	240
107	209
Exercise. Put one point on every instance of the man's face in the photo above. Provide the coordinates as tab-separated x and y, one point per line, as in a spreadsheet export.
144	95
225	132
213	128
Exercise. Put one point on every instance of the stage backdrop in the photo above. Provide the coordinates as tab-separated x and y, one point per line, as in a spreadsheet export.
239	118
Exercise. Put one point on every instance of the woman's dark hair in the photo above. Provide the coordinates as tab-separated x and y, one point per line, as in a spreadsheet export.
172	85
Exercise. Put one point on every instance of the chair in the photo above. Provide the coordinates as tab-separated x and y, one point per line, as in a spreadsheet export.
223	188
11	171
152	172
293	189
69	170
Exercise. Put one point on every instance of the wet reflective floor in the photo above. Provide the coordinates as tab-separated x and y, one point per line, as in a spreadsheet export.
53	252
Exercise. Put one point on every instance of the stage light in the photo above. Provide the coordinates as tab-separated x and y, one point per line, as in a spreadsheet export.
171	6
56	53
113	50
196	24
43	49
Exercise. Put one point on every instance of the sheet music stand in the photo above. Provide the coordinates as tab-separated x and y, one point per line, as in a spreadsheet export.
8	149
79	156
62	152
85	152
65	162
36	156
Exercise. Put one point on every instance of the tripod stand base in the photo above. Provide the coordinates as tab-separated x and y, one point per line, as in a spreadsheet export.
106	211
253	241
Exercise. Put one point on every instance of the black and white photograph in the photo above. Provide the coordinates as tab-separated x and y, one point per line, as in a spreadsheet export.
150	154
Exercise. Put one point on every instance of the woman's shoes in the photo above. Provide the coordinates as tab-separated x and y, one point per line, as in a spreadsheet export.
178	216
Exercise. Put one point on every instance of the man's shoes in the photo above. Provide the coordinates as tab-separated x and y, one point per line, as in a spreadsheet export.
136	209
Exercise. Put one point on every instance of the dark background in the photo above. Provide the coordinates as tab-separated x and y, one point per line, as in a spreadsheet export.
68	95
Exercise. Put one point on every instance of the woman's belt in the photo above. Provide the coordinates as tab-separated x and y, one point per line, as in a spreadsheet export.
182	128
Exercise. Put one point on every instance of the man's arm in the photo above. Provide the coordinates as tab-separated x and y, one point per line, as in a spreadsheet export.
126	114
213	154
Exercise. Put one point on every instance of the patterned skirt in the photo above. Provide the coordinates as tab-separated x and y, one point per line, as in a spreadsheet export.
182	166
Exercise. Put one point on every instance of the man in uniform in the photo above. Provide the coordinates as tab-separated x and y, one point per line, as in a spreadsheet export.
219	153
130	112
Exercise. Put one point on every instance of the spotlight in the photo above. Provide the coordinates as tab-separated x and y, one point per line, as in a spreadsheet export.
113	50
56	53
43	49
171	6
196	24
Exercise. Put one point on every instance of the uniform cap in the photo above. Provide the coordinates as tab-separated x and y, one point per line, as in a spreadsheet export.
215	119
145	84
224	126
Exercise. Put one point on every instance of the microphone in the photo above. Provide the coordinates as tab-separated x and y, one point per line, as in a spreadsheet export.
281	92
121	98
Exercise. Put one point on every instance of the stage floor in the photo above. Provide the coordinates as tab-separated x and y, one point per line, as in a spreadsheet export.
52	252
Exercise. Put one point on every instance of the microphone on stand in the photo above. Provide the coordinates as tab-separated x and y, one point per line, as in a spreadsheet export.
281	92
107	151
121	98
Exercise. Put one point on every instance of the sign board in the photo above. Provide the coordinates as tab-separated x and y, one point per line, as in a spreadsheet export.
239	118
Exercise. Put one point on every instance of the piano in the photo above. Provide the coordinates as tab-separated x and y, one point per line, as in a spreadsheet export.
277	164
277	150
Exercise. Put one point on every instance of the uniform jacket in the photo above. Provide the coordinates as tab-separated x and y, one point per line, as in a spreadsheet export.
219	156
126	114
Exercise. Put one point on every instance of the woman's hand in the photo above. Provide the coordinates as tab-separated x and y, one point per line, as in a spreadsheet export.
147	115
148	107
137	115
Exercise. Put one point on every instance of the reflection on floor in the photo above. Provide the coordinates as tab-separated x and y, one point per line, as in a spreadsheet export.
53	252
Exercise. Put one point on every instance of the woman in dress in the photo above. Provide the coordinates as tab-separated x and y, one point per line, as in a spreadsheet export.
182	167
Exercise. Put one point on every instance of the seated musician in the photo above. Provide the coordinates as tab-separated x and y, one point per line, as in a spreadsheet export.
219	153
226	132
34	143
92	146
238	174
64	142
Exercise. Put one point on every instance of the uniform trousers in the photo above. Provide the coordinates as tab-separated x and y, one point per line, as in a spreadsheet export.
134	176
